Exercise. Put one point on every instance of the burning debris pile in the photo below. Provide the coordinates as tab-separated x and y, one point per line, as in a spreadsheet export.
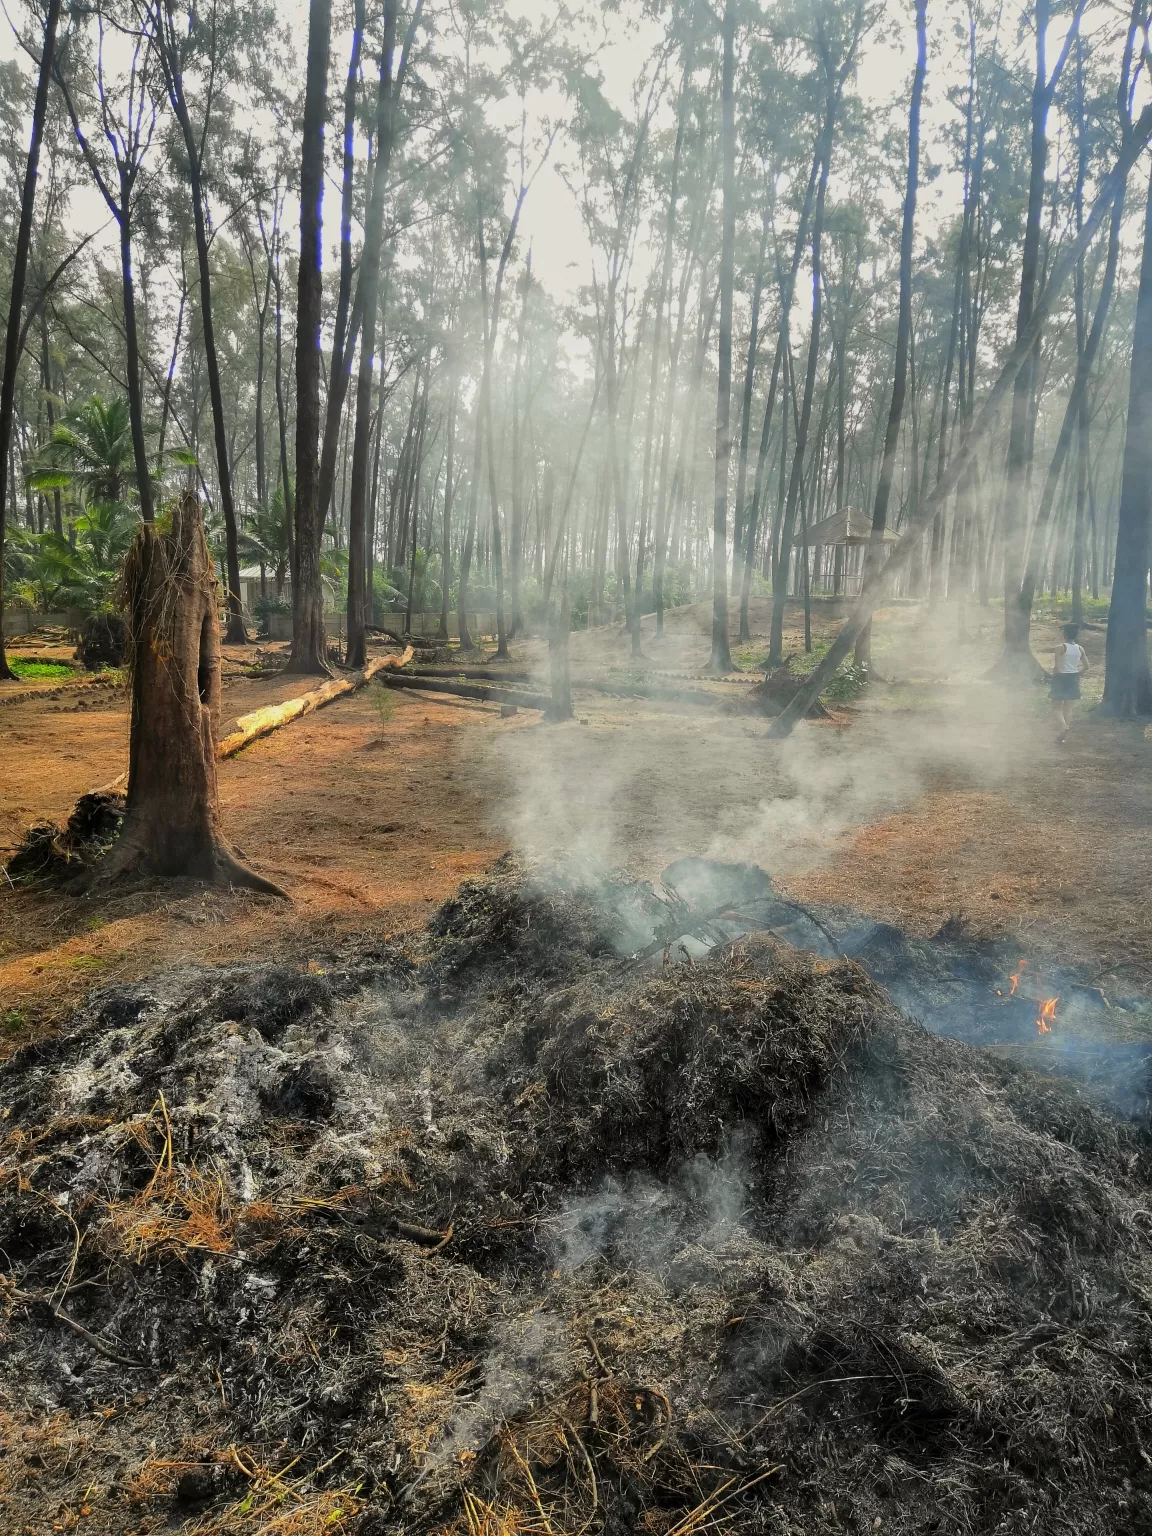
601	1209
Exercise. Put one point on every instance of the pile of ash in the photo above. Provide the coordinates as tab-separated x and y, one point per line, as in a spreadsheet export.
549	1223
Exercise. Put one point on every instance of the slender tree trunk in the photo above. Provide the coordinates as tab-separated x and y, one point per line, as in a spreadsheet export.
788	520
654	375
374	501
491	313
46	369
235	633
261	468
1017	657
343	335
19	278
132	356
903	328
446	530
746	405
660	552
309	649
418	467
516	552
282	431
788	289
466	642
166	408
721	658
1127	682
497	546
368	290
1082	420
369	287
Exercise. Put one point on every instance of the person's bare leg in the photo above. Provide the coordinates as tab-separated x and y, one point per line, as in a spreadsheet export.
1062	719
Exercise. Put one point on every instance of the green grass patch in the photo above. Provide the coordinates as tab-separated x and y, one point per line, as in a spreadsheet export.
26	668
14	1021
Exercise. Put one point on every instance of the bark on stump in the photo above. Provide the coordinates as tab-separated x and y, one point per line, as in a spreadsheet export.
172	822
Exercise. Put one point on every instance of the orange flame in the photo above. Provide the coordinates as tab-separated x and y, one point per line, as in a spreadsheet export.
1014	979
1047	1015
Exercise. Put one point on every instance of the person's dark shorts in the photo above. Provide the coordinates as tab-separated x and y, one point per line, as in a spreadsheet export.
1065	686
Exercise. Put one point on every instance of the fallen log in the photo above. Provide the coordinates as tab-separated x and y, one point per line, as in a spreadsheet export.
472	674
425	642
645	691
262	722
480	691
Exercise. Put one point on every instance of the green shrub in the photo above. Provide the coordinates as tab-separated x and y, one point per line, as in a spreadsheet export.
35	669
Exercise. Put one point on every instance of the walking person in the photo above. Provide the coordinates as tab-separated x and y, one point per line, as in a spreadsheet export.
1071	663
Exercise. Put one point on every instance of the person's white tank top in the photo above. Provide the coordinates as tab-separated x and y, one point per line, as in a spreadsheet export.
1070	659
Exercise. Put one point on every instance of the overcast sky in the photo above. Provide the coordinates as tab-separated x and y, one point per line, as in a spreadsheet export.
551	223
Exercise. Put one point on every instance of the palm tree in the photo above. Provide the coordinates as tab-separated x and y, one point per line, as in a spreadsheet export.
43	571
264	540
90	455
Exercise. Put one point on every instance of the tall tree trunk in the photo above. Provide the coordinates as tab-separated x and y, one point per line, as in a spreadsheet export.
660	551
282	428
466	641
132	355
654	376
170	58
788	289
721	658
788	520
746	404
1127	682
19	279
50	408
417	469
1083	426
1017	657
516	553
170	377
374	498
497	542
343	334
490	309
446	529
309	650
368	296
903	328
261	447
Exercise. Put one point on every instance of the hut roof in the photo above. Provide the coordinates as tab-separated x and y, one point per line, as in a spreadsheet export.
846	527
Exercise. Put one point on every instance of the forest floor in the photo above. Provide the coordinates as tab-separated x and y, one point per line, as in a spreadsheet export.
934	794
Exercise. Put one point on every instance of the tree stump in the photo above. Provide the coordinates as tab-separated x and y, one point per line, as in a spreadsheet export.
172	820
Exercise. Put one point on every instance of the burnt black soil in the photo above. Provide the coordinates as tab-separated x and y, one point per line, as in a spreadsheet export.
585	1213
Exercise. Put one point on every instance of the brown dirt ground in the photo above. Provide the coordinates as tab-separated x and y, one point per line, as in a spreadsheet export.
934	797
